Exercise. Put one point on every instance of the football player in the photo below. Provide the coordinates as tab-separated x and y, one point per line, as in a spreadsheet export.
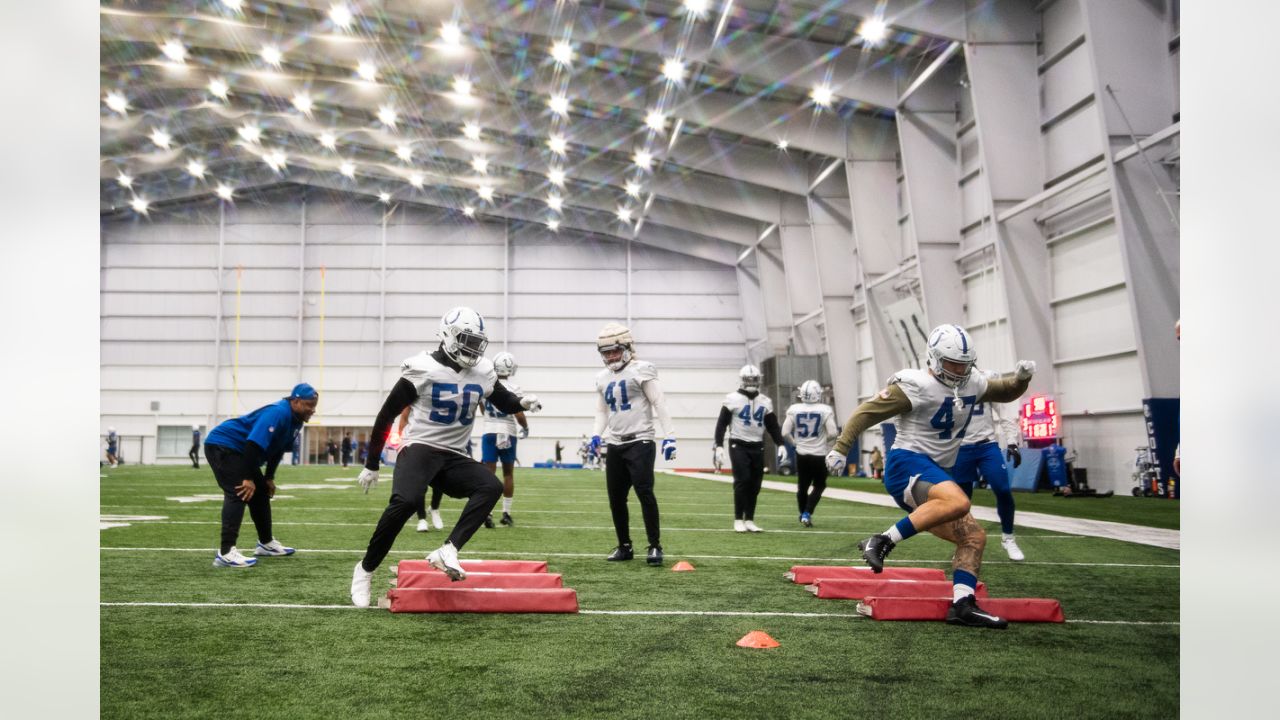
747	414
811	427
628	397
445	389
981	453
934	407
500	434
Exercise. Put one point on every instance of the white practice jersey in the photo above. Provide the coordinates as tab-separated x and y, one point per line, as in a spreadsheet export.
496	421
748	416
448	401
629	415
812	426
990	422
939	416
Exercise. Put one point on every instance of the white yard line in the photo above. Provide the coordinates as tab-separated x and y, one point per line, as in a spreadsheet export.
1140	534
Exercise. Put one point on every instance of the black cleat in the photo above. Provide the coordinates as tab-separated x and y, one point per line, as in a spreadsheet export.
506	520
620	553
965	611
488	521
655	555
874	550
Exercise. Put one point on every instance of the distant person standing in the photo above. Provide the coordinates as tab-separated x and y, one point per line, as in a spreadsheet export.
876	462
236	451
113	447
810	426
559	452
332	451
347	448
194	452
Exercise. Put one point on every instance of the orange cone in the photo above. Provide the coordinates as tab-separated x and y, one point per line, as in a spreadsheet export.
682	566
757	639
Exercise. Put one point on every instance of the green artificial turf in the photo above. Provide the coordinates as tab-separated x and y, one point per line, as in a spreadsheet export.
280	662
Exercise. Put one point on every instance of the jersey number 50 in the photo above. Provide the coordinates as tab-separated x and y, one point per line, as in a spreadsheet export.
445	410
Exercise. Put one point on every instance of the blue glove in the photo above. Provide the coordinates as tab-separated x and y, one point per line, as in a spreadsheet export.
669	449
595	442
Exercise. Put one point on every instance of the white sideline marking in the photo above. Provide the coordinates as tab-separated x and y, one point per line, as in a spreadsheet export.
720	613
523	511
770	558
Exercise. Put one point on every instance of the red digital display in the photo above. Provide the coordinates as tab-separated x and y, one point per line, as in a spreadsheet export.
1039	418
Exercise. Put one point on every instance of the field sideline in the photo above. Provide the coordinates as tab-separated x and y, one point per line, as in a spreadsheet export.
182	639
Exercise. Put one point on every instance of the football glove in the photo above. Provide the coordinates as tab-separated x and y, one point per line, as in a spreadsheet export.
367	479
669	449
530	403
1014	454
502	441
1024	369
595	443
721	457
524	433
836	463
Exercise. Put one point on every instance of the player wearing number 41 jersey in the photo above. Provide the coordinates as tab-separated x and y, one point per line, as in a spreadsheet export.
933	408
811	425
747	414
445	390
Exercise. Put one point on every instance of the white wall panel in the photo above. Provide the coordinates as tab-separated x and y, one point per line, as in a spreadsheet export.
158	279
258	235
1062	24
188	255
444	281
441	257
681	281
1100	386
1066	83
172	304
1085	262
258	257
157	328
168	353
1094	325
567	281
1072	142
974	201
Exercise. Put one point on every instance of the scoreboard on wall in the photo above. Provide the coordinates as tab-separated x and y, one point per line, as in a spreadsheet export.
1039	418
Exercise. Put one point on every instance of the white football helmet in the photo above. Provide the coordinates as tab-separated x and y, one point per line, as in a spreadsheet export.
613	337
749	377
810	391
950	343
195	427
504	363
462	336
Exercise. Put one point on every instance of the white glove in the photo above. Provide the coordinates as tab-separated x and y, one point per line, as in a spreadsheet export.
502	441
530	403
368	478
836	463
722	457
524	433
1024	369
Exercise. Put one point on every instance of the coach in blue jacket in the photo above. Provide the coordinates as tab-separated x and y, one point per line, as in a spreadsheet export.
236	450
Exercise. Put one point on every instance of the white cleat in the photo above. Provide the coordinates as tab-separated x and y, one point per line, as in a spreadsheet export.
445	559
361	580
1011	548
752	527
739	526
233	559
272	549
424	526
436	522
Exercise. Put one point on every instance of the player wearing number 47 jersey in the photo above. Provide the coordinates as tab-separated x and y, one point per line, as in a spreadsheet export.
934	407
445	390
811	425
747	414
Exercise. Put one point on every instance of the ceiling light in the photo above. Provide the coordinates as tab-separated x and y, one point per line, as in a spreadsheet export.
644	159
633	188
697	7
161	138
340	14
367	71
468	211
276	159
656	120
139	205
480	163
451	34
562	52
873	30
673	69
232	4
416	180
553	224
348	168
117	102
271	55
558	144
174	50
250	133
555	202
302	101
196	168
385	197
783	144
462	86
387	115
218	88
822	95
328	141
559	104
624	214
471	131
224	191
556	176
404	152
485	192
124	180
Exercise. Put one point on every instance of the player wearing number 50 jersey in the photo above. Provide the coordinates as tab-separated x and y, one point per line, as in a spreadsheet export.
933	408
811	426
627	399
747	414
444	389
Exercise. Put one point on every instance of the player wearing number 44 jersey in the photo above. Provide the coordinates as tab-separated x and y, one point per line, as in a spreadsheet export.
445	389
934	407
747	414
811	425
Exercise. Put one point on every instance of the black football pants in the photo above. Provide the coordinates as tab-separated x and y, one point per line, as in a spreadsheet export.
227	468
748	473
811	472
625	467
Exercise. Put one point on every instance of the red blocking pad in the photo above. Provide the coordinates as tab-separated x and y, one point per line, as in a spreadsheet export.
483	600
479	579
497	566
1011	609
808	574
856	589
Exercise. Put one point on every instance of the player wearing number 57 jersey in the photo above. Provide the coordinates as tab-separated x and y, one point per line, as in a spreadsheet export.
445	390
811	425
627	399
747	414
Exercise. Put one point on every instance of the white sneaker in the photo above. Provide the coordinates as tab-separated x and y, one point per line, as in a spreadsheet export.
361	580
752	527
739	526
424	526
233	559
436	521
445	559
1011	547
273	549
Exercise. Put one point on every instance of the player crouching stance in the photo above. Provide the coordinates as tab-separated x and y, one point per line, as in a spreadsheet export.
445	389
933	408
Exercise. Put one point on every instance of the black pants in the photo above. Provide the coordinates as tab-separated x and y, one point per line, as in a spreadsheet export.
419	467
748	473
811	470
625	467
227	465
194	454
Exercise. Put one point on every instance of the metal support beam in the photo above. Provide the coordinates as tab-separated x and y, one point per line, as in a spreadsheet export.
217	318
877	248
801	270
777	301
382	306
923	78
302	280
831	231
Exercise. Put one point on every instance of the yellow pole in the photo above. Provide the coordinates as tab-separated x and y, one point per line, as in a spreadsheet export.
235	371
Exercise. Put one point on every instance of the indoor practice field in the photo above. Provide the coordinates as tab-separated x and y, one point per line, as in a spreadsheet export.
180	638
